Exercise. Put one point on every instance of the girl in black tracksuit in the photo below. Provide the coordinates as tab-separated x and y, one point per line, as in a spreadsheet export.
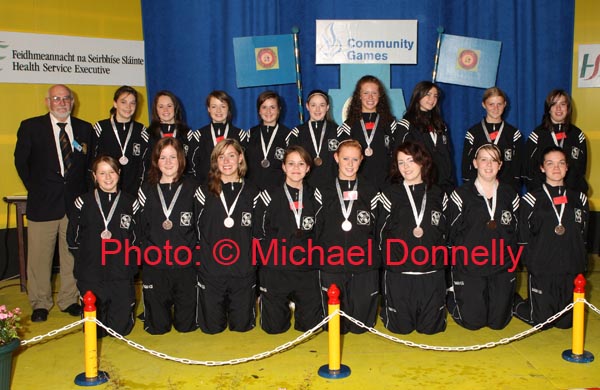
557	215
423	123
267	143
557	130
481	214
286	218
105	214
169	241
318	136
412	211
346	223
369	121
493	129
227	275
121	137
219	105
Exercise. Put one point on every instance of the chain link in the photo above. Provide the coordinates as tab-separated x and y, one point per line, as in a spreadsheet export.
309	333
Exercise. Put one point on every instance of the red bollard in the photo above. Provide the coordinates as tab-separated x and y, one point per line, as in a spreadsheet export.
577	354
91	376
334	370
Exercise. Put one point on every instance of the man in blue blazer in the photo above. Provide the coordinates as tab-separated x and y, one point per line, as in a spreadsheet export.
52	157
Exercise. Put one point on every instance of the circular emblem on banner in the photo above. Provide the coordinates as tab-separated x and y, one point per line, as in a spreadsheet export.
266	57
468	59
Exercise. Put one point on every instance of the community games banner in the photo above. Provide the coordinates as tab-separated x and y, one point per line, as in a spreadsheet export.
51	59
366	42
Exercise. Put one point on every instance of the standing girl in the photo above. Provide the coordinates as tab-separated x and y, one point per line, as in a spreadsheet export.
347	221
167	222
267	143
105	216
412	210
318	136
493	129
369	121
423	123
556	129
286	217
558	215
219	105
482	217
121	137
227	276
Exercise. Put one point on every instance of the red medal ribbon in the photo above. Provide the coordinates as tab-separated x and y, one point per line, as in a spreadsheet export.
560	199
561	135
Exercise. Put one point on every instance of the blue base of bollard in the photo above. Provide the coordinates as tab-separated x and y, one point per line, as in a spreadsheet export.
585	357
81	379
343	372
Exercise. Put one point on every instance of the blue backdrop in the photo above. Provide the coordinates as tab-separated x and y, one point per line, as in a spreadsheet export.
189	50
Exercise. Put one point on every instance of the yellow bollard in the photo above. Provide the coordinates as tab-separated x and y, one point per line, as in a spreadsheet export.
577	353
334	370
91	376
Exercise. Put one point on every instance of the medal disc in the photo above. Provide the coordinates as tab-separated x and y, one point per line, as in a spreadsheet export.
265	163
491	224
418	232
123	160
559	229
299	233
318	161
167	224
106	234
368	152
228	222
346	226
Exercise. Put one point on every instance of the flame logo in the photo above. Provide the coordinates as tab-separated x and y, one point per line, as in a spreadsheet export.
3	45
331	44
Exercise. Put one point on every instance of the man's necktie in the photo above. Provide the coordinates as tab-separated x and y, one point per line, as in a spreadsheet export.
65	147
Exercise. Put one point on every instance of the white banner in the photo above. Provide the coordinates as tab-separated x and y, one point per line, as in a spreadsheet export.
58	59
366	42
588	71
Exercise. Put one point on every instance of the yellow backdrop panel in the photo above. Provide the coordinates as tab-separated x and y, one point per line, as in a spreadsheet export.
96	19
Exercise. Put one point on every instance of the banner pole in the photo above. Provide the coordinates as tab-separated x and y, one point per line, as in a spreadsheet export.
298	79
440	30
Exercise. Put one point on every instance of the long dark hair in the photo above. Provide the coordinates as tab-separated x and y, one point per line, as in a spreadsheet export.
354	111
154	128
424	120
551	100
420	156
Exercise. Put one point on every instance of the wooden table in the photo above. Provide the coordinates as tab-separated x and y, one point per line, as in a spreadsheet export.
20	201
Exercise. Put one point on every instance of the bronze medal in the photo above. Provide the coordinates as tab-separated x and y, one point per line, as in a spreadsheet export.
167	224
559	230
318	161
491	224
418	232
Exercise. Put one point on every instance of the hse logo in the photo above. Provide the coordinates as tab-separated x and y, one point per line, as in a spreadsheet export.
3	45
589	66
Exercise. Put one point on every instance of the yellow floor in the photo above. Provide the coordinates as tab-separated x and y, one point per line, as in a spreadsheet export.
531	363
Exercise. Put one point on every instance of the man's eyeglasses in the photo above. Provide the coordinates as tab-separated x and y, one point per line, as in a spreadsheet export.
58	99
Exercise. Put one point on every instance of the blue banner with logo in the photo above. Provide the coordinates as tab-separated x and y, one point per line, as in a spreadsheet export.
264	60
468	61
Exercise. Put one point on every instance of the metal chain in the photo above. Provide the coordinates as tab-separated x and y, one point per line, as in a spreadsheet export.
309	333
53	332
258	356
476	347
